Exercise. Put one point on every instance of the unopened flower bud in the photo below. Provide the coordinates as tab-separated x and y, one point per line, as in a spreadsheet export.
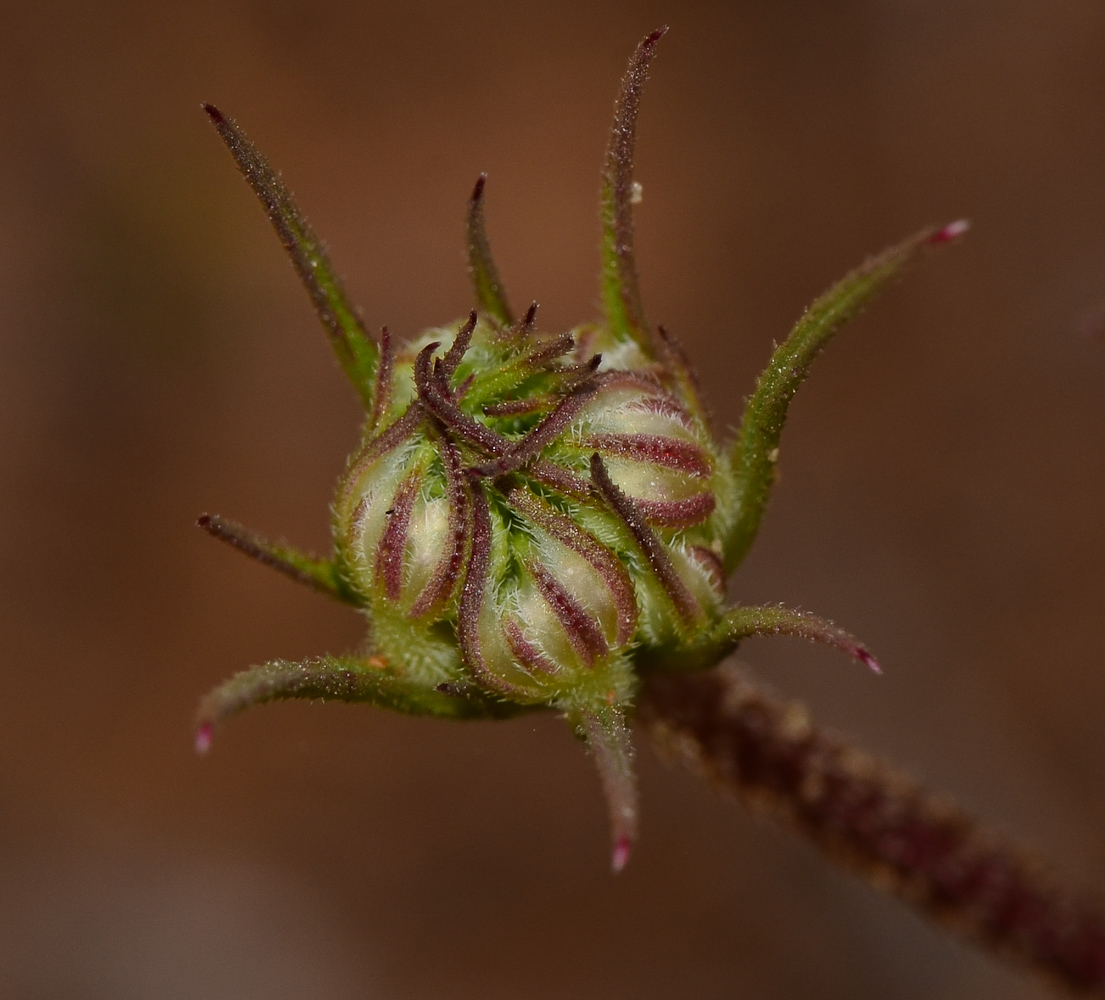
537	519
576	501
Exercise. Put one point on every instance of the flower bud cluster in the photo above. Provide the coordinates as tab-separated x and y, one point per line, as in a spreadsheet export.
524	512
536	519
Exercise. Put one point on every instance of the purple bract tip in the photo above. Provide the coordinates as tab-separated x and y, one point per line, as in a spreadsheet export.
622	847
203	737
950	232
867	658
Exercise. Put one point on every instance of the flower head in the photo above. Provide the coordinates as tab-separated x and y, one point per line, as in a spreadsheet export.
535	520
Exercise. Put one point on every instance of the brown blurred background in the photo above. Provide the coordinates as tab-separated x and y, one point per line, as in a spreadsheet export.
943	490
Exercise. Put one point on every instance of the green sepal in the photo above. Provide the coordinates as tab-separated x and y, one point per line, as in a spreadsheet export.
486	283
756	448
608	738
357	353
320	574
722	638
621	292
343	678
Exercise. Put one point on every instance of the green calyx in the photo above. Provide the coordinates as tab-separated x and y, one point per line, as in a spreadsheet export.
536	520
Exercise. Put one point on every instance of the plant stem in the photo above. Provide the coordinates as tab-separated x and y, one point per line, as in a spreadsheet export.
875	821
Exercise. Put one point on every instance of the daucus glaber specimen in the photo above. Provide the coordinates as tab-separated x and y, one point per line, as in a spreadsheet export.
538	520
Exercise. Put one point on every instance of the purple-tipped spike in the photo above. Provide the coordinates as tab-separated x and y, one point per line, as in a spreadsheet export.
953	230
608	739
203	737
745	621
622	848
868	659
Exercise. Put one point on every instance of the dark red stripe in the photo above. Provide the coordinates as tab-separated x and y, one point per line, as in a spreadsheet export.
393	540
678	513
669	452
525	651
583	631
585	545
560	479
472	597
395	435
658	559
439	588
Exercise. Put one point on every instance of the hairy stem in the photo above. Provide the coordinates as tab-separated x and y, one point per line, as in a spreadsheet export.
870	818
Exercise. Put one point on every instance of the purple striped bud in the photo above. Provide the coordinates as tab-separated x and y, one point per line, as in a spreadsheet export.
534	520
525	514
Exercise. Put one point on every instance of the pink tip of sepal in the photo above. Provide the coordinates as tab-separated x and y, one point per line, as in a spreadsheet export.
953	230
622	846
869	660
203	737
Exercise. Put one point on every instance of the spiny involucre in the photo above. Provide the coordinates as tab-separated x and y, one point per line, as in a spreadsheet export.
538	520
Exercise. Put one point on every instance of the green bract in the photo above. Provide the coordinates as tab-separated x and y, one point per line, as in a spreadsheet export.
537	520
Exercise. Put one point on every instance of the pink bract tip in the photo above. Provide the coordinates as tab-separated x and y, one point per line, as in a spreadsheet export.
622	847
203	738
950	232
867	658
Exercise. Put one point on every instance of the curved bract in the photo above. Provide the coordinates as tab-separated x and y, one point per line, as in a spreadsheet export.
535	519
